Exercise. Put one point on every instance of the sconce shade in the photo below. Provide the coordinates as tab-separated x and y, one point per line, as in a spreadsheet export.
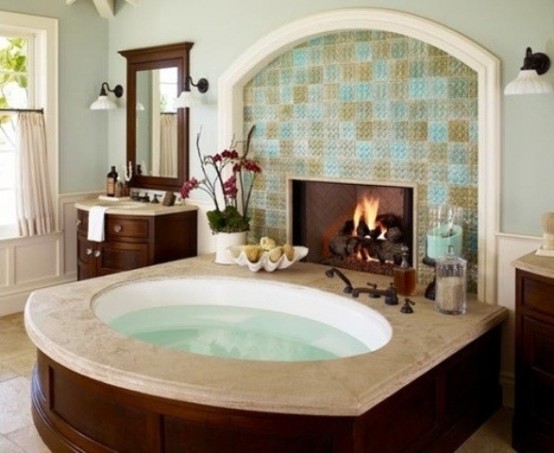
529	81
187	98
104	102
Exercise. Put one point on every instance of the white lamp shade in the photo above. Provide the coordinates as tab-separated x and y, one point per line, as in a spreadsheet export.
528	82
103	103
186	99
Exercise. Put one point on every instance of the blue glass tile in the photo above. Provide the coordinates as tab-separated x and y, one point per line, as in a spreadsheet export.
286	94
417	89
347	92
381	70
273	149
300	111
347	130
363	51
363	91
260	95
438	88
331	167
401	171
299	166
285	131
381	110
458	175
438	132
312	42
300	57
332	149
399	151
300	130
437	194
364	150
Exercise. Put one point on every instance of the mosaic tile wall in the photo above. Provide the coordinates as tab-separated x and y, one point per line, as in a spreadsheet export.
370	106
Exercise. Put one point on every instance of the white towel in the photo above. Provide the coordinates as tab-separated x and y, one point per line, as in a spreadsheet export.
96	223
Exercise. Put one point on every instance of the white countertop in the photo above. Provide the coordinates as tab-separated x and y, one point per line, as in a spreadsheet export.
126	206
61	324
540	265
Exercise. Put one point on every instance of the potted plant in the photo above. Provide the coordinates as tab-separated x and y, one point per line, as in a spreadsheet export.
228	178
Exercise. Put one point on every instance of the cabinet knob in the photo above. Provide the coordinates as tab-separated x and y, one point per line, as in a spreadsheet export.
88	251
97	253
78	222
117	228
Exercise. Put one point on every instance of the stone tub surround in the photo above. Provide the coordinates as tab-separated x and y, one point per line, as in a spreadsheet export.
130	207
61	324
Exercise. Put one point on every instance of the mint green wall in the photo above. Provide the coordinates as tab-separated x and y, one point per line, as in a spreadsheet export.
83	66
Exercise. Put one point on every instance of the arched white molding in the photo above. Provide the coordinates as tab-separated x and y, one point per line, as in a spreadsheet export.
487	66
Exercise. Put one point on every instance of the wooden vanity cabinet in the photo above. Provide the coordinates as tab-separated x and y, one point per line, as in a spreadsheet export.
133	241
533	425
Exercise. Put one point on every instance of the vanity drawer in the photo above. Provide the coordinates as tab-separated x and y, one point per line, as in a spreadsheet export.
120	227
537	293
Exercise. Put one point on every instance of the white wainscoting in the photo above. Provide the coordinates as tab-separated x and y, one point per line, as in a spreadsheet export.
510	247
27	264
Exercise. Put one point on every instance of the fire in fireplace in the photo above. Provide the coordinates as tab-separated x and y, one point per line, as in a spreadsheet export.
351	225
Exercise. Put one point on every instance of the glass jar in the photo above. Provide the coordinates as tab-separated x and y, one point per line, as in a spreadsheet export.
450	296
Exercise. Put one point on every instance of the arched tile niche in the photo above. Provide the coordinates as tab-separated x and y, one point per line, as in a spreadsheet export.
374	96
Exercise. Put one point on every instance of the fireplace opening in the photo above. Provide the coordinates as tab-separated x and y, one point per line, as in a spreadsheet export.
351	225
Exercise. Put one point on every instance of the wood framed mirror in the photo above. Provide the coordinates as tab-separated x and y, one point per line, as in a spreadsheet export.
157	133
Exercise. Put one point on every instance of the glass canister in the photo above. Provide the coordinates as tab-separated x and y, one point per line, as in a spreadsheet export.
450	297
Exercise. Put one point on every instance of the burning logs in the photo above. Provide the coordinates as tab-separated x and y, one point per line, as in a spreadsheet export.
359	243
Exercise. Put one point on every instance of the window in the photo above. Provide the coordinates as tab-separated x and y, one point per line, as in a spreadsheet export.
28	80
16	93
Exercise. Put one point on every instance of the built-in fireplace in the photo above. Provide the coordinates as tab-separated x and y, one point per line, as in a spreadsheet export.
352	225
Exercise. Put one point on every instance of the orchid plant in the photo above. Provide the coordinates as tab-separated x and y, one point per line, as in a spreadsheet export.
226	176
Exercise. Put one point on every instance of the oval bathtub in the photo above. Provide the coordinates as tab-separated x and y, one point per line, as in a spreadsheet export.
242	319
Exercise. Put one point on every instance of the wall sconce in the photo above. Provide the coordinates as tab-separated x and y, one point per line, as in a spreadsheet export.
189	99
104	102
529	81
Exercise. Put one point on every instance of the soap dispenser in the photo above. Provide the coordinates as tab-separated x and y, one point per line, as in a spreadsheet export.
405	275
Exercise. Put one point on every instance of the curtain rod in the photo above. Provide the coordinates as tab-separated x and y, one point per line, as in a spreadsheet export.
22	110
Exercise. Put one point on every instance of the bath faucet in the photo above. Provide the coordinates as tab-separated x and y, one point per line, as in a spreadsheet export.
391	297
334	271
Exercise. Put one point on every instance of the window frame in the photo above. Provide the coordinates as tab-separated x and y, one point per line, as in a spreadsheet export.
44	92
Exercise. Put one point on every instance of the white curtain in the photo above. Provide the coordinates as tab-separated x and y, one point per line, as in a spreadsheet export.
33	203
168	145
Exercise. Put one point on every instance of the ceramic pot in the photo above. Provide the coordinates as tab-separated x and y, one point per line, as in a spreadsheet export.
225	240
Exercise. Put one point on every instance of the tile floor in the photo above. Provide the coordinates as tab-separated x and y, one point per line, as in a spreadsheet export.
18	435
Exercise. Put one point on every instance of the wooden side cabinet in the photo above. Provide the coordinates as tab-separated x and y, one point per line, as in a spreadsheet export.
133	241
533	425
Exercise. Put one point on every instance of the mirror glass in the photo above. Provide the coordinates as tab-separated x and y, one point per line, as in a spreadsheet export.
157	133
156	129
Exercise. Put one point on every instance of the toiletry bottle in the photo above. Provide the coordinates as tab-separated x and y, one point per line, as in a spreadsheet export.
405	275
111	180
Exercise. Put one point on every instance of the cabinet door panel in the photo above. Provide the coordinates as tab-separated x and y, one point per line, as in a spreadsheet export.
119	256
